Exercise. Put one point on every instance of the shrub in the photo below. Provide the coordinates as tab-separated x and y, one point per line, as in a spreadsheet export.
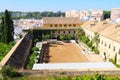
115	59
36	40
96	50
68	37
62	37
85	39
111	60
35	49
89	44
5	48
8	72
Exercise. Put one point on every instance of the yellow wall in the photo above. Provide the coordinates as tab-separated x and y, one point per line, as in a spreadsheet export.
62	25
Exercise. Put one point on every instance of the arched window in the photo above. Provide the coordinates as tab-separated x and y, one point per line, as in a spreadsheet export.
60	25
51	25
114	48
74	25
109	46
56	25
119	51
74	32
70	25
65	25
69	32
64	32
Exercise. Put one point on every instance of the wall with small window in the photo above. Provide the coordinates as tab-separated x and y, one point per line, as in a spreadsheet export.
110	47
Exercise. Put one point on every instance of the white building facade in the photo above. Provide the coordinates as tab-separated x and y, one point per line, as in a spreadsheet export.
109	44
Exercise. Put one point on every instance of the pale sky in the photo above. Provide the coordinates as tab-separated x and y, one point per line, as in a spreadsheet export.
57	5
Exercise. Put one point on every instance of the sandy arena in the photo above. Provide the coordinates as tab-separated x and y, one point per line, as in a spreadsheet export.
65	53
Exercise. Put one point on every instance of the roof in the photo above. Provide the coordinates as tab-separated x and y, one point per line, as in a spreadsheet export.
61	20
111	32
105	29
95	26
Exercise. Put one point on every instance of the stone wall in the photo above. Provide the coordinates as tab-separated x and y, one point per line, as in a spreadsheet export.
20	55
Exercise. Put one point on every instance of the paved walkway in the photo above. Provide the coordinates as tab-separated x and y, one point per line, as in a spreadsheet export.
65	66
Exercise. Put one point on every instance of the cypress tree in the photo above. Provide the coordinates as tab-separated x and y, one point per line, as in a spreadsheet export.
8	29
1	30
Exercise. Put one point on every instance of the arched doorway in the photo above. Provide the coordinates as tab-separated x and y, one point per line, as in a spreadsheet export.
58	37
104	56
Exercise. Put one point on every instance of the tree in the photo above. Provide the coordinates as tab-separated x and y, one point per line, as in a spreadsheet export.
106	14
96	40
85	39
68	37
7	73
1	30
79	33
62	37
46	36
115	59
7	28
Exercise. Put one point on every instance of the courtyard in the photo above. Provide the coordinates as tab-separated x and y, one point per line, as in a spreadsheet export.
64	53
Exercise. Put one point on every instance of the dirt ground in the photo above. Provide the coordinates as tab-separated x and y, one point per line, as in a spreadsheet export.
65	53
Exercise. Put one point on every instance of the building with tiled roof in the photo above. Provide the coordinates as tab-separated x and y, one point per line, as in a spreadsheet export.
109	35
60	25
61	22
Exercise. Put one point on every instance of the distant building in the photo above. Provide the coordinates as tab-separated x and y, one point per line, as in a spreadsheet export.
86	14
72	13
97	15
115	13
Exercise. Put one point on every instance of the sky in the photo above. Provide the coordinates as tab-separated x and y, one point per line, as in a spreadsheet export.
57	5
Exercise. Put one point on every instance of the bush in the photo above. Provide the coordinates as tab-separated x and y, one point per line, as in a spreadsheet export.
96	50
8	72
35	49
85	39
62	37
5	48
36	40
68	37
31	60
89	44
112	60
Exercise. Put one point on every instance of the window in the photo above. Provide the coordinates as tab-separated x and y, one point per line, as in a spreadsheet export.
56	25
102	42
70	25
69	32
109	46
58	32
74	32
60	25
119	51
53	32
74	25
64	32
65	25
105	44
114	48
51	25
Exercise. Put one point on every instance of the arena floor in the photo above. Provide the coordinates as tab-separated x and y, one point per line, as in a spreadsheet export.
65	53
